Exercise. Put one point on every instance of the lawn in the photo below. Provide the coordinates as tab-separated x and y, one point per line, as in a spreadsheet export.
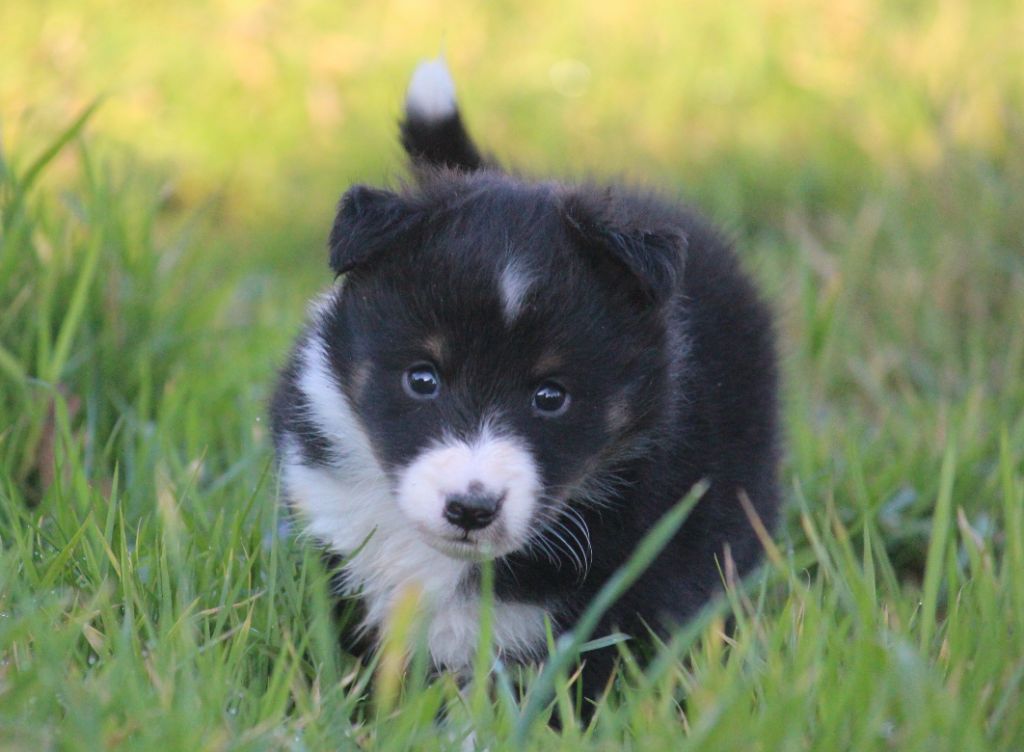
168	174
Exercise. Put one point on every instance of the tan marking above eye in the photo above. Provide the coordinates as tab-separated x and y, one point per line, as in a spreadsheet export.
548	363
357	381
618	414
434	346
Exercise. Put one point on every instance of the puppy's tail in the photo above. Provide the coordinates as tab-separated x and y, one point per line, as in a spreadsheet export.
432	130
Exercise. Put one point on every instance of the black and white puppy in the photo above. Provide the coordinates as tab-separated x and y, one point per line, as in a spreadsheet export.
532	372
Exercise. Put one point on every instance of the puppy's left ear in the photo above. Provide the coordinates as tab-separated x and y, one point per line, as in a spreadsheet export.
369	222
635	233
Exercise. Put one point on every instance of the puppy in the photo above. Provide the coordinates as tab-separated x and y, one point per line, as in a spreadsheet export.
531	372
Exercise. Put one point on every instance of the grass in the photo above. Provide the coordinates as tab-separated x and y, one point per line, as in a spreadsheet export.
156	254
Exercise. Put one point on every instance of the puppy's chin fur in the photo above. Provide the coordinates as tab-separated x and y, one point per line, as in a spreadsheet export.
630	307
464	550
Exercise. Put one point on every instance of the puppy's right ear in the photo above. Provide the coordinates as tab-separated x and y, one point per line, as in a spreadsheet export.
369	221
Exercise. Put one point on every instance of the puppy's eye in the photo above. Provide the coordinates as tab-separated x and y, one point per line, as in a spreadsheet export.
422	382
550	399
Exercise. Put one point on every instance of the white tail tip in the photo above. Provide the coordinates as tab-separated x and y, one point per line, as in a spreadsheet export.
431	93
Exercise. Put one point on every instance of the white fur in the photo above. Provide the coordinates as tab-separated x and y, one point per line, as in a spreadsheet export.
320	304
500	464
431	93
352	504
517	628
514	285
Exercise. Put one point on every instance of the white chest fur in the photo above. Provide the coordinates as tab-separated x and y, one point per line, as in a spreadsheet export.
390	557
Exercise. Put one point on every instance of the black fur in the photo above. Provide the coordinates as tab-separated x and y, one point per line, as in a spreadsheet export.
443	142
661	339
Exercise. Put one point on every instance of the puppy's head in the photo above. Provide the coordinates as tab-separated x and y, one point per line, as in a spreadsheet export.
497	342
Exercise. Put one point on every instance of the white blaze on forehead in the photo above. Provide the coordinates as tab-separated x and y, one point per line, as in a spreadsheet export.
431	93
501	464
514	285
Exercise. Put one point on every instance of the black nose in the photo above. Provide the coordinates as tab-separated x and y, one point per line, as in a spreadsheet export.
474	510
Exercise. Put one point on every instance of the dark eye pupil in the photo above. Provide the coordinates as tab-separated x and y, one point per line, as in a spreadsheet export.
422	381
549	398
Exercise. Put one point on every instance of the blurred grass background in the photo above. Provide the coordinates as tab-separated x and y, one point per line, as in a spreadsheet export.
867	156
753	105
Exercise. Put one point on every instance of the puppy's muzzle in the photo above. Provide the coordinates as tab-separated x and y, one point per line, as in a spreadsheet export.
473	510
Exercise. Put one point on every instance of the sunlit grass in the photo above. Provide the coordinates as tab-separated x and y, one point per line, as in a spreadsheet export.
867	156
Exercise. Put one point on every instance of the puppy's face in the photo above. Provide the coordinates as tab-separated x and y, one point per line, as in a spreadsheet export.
493	363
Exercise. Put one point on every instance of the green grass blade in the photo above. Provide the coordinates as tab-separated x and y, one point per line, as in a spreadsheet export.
568	645
935	564
35	169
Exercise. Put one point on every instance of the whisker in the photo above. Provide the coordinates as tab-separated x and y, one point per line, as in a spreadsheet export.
568	549
576	518
584	558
